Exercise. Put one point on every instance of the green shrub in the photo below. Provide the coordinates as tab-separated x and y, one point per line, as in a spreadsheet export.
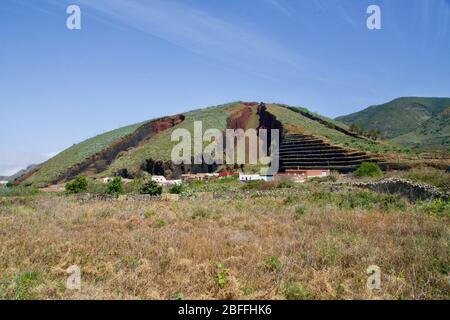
357	200
299	211
286	184
228	179
160	223
393	202
273	263
289	200
222	275
115	186
293	291
254	184
151	188
80	184
368	169
149	214
200	213
437	207
24	285
322	197
176	189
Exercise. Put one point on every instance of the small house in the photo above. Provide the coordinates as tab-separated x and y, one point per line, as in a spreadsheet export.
253	177
294	177
107	180
159	179
308	174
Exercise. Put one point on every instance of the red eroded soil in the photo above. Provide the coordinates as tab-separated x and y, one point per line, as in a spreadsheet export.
239	119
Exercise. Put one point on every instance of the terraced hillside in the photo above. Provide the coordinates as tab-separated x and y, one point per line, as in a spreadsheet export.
299	151
301	121
309	141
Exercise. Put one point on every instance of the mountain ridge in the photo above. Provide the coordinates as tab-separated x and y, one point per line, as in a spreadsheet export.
416	122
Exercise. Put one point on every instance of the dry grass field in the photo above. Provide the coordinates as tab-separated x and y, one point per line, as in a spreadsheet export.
311	242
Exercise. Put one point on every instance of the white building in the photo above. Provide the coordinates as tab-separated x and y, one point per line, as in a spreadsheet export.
3	183
162	181
159	179
253	177
107	180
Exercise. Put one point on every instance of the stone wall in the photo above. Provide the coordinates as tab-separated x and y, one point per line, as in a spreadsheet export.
413	191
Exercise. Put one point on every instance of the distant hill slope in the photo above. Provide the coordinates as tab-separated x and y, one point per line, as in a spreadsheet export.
412	121
130	150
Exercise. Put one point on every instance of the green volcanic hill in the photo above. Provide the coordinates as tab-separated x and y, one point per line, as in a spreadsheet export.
415	122
309	141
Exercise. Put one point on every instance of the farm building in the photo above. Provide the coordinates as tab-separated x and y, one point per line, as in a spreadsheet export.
109	179
253	177
3	183
162	181
159	179
307	174
199	177
294	177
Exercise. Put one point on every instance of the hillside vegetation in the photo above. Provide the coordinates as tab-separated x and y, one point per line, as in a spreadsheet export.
128	148
74	155
413	121
160	146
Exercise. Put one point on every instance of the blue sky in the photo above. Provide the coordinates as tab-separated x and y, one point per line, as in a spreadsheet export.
134	60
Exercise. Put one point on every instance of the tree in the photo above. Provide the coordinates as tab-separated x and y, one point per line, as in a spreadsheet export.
115	186
176	189
368	169
78	185
151	188
356	128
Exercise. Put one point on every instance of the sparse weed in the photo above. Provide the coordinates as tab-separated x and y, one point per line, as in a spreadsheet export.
221	275
293	291
273	263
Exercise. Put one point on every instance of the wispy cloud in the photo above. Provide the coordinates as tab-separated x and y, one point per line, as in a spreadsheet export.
198	31
280	7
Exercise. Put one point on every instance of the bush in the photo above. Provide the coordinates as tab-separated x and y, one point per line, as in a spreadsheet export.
357	200
368	169
273	263
299	211
292	291
151	188
200	213
115	186
285	184
438	207
228	179
176	189
80	184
